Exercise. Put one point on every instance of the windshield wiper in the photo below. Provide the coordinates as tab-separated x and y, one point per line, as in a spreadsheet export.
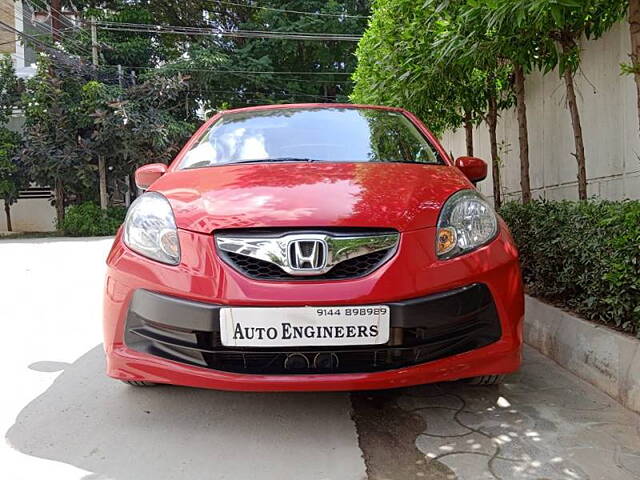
277	159
207	163
200	164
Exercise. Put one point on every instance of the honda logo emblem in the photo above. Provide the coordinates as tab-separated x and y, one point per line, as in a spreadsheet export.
307	256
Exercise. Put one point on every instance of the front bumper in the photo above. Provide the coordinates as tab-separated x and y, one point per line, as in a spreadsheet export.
466	323
422	330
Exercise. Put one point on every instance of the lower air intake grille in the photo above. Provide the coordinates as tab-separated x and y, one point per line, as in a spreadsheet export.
431	328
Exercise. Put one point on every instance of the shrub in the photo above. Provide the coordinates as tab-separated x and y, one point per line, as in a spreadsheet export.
584	256
88	220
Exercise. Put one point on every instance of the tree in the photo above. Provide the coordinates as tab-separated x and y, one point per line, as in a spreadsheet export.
334	61
425	57
410	57
76	113
562	23
634	30
13	176
206	59
397	67
489	32
468	45
497	99
132	125
53	151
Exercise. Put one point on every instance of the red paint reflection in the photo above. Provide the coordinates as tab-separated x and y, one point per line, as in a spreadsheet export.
394	195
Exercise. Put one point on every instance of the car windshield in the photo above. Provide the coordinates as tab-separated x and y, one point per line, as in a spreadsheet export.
311	134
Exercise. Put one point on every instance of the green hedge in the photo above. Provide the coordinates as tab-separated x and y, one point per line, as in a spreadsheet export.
584	256
88	220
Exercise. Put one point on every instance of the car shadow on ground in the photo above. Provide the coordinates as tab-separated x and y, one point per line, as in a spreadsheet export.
120	432
542	423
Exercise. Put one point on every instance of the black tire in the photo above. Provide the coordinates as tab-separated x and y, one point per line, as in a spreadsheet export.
138	383
486	380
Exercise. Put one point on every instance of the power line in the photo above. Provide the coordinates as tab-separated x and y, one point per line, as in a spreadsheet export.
35	35
75	61
246	75
202	31
46	27
75	43
191	30
299	12
241	93
329	82
256	81
72	25
72	22
252	72
6	26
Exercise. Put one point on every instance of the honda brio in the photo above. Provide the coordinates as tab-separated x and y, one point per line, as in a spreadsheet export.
312	247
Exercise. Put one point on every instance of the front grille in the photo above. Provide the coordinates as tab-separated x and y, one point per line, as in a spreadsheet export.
353	268
430	328
283	254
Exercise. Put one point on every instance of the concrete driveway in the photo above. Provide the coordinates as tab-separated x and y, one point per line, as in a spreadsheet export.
62	418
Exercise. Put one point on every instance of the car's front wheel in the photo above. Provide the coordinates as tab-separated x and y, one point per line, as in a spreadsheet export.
486	380
139	383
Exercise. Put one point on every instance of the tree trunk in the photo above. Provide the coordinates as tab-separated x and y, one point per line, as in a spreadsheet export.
134	188
7	213
102	172
634	29
523	134
577	127
492	122
127	195
59	196
468	133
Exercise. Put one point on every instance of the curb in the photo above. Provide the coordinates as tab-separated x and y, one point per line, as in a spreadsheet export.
603	357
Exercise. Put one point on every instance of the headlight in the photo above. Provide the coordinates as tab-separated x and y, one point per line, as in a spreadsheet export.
150	229
466	222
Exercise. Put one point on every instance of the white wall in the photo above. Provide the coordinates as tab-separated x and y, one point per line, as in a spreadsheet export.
608	109
29	215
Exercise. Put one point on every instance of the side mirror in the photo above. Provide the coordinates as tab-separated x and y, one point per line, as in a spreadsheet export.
474	168
147	174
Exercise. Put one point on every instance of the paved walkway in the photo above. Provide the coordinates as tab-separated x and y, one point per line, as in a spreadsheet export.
544	423
63	419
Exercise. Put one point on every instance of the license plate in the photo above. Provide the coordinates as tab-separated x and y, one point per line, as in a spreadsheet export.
304	326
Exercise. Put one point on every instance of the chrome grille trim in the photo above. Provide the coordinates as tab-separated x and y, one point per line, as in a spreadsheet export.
276	249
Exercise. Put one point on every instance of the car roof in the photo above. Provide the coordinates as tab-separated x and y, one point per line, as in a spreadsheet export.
288	106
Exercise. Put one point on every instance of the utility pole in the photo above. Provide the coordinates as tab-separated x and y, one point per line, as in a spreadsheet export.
55	35
102	167
131	180
94	41
127	182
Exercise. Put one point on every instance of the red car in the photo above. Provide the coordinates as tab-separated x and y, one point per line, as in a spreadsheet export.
312	247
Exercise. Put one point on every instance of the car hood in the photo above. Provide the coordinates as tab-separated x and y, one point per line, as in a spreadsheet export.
383	195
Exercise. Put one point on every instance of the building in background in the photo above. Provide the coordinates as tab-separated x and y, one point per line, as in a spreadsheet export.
19	15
